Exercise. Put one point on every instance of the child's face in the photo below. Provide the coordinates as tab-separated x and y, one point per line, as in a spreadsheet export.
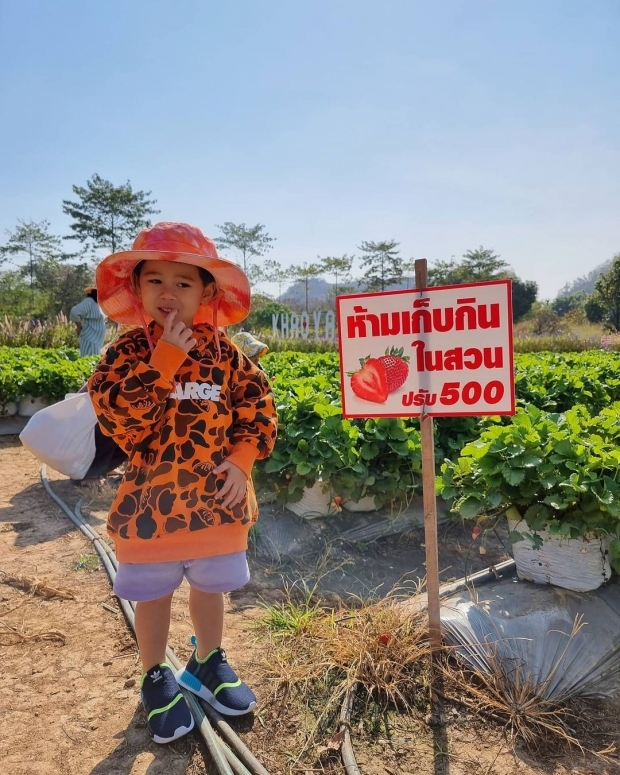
168	285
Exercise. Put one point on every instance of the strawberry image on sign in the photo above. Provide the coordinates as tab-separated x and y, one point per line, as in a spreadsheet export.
370	382
396	367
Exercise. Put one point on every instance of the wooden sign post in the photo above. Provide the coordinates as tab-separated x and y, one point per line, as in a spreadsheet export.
428	352
429	500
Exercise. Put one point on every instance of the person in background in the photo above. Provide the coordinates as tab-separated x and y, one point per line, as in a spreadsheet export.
251	346
90	323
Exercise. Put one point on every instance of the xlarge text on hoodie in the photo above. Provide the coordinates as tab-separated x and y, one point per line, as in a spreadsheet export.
179	415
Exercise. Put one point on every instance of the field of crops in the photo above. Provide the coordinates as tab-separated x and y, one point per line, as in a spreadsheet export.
558	458
41	373
382	457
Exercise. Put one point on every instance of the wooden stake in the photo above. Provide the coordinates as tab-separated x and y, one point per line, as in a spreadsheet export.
430	502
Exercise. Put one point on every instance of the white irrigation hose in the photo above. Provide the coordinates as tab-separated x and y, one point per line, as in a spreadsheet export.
225	760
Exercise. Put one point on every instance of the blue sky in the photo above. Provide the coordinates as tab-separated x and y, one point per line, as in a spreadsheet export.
441	125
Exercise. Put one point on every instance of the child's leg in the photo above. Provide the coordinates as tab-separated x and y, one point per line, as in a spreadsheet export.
208	673
207	612
152	626
152	585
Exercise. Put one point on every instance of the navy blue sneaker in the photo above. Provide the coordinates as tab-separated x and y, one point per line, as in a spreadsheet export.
214	680
168	715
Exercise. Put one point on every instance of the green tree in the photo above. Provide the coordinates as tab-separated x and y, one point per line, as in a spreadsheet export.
262	309
524	293
32	242
476	266
445	273
17	298
595	312
338	267
250	242
382	263
108	216
304	274
544	320
567	303
483	264
64	284
607	295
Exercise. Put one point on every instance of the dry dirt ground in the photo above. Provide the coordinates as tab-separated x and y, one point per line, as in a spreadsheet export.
69	700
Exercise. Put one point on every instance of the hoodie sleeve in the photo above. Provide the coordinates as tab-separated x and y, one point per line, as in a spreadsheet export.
129	389
255	420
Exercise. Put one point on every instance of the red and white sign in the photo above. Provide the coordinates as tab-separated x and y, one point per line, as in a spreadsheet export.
441	351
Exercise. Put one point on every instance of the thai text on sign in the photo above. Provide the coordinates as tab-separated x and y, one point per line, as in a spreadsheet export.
440	351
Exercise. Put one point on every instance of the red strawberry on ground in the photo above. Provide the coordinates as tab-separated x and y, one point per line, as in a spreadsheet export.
370	382
396	368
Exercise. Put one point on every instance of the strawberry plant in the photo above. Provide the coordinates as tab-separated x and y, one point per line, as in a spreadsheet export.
9	390
304	451
390	450
378	458
560	470
42	373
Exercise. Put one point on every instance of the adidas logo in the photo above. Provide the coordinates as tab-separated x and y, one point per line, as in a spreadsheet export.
197	390
156	676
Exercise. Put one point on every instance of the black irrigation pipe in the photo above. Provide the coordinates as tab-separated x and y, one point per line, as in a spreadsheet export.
240	760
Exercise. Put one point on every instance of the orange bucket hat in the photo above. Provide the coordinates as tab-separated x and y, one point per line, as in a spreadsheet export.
172	242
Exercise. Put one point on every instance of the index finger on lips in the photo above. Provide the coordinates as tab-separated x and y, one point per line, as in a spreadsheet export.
169	320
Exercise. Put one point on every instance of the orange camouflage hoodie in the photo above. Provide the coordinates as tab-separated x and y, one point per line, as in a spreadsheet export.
179	415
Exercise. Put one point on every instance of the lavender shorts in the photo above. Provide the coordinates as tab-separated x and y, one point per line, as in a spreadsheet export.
152	580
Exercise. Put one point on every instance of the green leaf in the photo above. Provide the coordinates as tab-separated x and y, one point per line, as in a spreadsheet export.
470	507
513	475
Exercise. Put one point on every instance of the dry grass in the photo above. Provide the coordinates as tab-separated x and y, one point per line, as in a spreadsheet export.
36	586
317	656
510	695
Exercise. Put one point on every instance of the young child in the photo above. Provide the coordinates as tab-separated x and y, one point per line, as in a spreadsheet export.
193	414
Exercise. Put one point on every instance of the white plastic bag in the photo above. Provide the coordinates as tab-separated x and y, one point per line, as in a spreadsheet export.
63	435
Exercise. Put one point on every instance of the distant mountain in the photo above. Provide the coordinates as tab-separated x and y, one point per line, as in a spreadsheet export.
320	292
585	283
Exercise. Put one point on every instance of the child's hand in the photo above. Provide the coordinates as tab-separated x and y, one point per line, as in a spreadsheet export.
235	485
177	333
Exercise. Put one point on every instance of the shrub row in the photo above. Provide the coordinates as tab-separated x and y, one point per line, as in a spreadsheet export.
42	373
